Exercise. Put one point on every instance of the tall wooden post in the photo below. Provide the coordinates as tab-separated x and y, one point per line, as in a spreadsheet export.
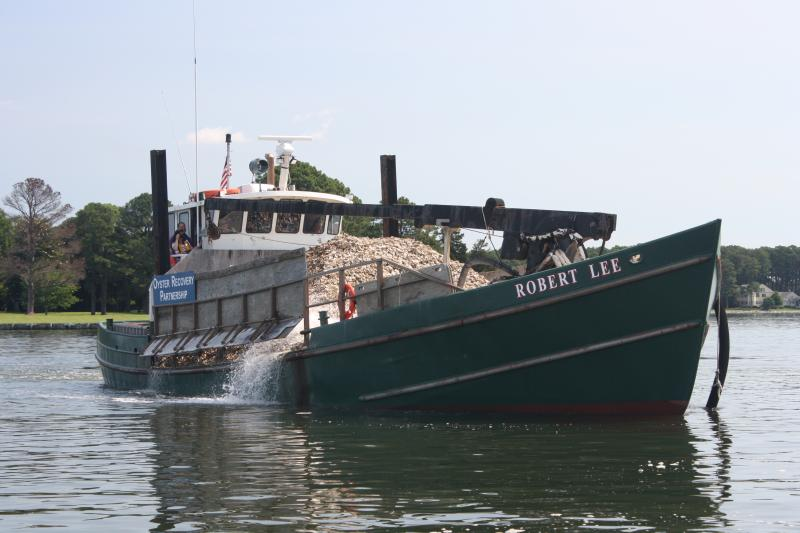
158	184
389	193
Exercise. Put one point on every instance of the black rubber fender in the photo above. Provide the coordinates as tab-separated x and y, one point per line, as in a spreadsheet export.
723	355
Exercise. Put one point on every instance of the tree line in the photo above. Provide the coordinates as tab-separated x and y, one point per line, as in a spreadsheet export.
776	267
101	257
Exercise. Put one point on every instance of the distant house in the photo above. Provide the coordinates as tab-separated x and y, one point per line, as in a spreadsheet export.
790	299
753	296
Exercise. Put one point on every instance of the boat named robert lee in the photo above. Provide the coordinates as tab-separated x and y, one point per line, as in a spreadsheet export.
616	334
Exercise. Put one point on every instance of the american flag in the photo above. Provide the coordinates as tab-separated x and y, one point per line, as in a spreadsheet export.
226	173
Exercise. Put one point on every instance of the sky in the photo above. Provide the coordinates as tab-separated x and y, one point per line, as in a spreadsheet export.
668	114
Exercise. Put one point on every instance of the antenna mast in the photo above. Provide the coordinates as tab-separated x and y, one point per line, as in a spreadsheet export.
285	151
194	45
196	184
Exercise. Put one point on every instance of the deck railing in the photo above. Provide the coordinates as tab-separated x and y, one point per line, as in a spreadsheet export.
379	288
275	315
127	329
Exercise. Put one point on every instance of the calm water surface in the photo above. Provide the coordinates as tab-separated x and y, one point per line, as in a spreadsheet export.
77	456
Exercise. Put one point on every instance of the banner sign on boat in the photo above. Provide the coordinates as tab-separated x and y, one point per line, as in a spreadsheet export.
171	289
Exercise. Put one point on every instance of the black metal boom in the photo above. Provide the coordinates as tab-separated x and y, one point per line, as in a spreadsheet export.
494	215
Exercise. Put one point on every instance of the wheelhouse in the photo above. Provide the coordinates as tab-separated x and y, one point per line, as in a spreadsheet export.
232	229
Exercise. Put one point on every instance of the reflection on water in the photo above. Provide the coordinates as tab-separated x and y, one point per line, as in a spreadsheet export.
220	468
75	455
721	444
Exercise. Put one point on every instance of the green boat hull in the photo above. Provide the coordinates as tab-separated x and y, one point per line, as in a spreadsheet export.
123	367
616	334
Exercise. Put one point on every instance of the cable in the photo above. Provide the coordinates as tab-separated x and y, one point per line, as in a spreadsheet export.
487	233
175	138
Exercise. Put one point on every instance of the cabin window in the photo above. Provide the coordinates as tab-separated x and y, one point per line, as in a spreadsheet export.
172	225
259	222
314	224
287	223
334	224
230	221
183	216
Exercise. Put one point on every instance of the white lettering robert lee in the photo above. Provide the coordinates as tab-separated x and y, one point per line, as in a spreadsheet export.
557	280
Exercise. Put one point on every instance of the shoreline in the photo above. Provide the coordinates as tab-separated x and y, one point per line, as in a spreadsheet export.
77	320
47	326
741	311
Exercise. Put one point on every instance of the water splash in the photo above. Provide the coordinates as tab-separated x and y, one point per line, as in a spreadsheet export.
257	377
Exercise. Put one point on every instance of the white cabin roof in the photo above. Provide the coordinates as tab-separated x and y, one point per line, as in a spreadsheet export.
272	194
291	195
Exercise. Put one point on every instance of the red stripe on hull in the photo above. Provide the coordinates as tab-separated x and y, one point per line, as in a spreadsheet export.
665	407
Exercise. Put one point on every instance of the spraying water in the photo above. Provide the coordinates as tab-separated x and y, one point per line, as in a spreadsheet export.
257	377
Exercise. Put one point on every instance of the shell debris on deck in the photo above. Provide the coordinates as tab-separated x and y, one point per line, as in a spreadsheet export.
347	249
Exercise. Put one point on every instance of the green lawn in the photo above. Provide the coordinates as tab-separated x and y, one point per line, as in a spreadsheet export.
66	318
